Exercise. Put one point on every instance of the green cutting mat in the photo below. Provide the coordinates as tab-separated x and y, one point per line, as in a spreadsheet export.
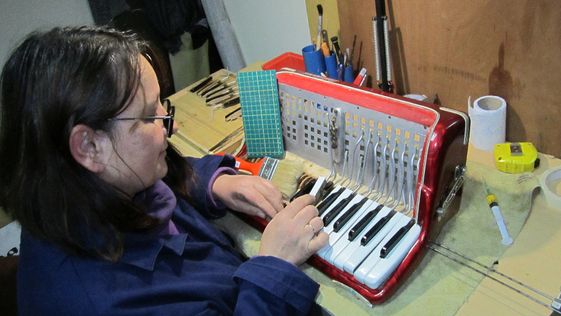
259	99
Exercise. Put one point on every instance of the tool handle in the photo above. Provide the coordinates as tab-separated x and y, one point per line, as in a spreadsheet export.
242	164
507	240
201	84
337	49
325	49
231	102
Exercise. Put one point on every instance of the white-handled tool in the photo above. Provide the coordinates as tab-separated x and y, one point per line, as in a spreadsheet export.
492	201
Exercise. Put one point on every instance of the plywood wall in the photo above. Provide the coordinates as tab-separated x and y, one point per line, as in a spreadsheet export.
455	49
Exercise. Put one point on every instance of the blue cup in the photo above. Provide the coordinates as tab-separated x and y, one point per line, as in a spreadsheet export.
313	60
348	75
331	65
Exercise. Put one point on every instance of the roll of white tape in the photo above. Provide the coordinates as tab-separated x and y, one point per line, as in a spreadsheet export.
488	122
549	182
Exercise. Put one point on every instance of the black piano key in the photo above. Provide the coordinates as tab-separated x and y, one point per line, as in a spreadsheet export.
348	214
324	204
376	228
326	188
363	222
329	217
388	247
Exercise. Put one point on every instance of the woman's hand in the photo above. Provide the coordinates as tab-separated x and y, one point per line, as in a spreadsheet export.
295	233
248	194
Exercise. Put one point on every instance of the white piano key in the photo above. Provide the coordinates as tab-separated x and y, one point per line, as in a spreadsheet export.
349	247
318	186
371	260
327	229
362	252
333	236
386	266
334	245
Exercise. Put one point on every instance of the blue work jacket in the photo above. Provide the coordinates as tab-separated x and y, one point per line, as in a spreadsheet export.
195	272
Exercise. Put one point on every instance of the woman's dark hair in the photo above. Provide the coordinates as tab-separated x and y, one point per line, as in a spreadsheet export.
53	81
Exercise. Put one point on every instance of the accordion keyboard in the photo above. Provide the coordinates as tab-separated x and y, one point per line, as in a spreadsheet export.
366	239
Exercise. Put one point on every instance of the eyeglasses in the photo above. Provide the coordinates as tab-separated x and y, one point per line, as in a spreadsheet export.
167	119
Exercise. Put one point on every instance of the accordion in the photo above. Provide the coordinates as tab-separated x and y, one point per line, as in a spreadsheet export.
395	167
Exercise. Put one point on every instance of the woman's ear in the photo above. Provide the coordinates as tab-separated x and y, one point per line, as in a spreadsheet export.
88	147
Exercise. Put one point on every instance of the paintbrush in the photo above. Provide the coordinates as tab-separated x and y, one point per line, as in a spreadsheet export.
284	174
337	49
320	26
325	44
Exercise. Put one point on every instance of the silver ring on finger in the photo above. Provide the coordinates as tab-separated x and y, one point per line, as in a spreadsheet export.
311	227
316	231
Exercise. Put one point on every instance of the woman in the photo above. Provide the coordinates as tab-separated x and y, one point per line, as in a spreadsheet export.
114	220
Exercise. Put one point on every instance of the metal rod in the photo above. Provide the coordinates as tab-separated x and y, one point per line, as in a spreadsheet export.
376	50
434	247
495	271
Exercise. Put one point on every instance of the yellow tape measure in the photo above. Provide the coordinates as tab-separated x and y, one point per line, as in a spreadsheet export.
516	157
